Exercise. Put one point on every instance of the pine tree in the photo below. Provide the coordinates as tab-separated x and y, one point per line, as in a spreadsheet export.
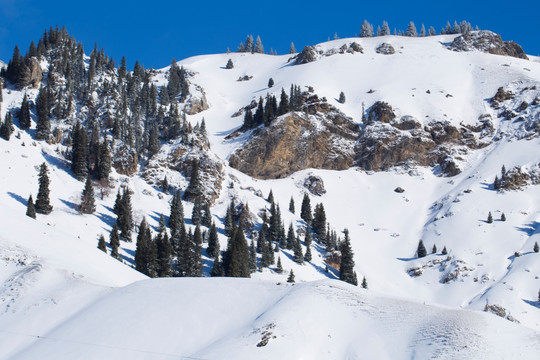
279	267
319	221
217	268
366	30
305	211
252	257
259	48
341	99
229	65
431	31
88	204
307	242
290	279
105	162
43	126
101	244
503	217
164	251
176	217
114	242
444	251
291	205
6	129
206	219
411	30
385	29
185	257
24	114
489	218
535	248
125	216
346	268
165	185
238	255
79	152
298	255
434	249
197	211
194	189
30	209
270	82
213	242
496	183
283	103
421	250
422	31
364	283
503	172
249	47
196	250
292	49
43	205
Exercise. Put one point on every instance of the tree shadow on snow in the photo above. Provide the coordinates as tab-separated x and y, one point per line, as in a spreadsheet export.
70	204
18	198
107	219
487	186
536	304
530	229
407	259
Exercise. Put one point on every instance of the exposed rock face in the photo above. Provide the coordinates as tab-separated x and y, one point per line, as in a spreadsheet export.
196	105
125	161
385	49
308	54
315	185
382	112
489	42
406	122
35	73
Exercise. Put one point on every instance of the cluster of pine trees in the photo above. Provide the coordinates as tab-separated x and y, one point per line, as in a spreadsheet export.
250	46
268	109
366	29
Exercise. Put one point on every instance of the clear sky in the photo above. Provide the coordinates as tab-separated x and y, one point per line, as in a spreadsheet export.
155	32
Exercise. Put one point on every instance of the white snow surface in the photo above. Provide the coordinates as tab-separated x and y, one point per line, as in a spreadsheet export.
60	297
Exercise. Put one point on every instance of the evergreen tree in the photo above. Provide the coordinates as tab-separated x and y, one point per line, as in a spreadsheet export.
319	221
252	257
88	204
185	257
279	267
217	268
346	268
421	250
143	250
249	47
434	249
43	205
283	103
535	248
366	30
125	216
291	205
174	85
101	244
30	209
270	197
24	114
176	217
7	127
196	244
206	219
496	183
503	217
292	49
297	248
341	98
105	162
411	30
489	218
431	31
79	152
197	211
194	189
238	255
290	278
229	65
249	123
364	283
43	126
444	251
165	185
164	251
305	211
270	82
213	242
422	31
114	242
291	238
259	48
307	242
385	29
503	172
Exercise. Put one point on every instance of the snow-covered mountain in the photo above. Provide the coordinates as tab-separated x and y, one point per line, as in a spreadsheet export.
437	117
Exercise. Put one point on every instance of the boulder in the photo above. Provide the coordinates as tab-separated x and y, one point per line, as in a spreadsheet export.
315	185
385	49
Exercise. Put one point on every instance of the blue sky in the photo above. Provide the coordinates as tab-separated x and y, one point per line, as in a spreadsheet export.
154	33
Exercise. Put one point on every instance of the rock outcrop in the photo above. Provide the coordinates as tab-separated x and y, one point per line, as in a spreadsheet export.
489	42
385	49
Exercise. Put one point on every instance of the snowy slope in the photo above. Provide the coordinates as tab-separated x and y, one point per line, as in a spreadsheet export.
54	282
251	319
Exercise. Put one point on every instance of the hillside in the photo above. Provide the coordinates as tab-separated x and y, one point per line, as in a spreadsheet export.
436	120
